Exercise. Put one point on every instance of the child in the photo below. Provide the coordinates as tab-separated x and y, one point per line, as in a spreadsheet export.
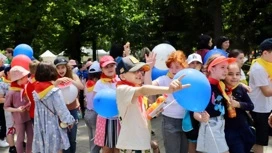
3	142
66	75
260	77
239	136
10	129
107	129
240	56
190	122
175	140
215	141
29	88
49	109
90	114
19	106
134	134
194	61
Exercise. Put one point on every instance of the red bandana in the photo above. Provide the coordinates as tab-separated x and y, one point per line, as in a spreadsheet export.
213	81
42	88
106	79
90	85
14	86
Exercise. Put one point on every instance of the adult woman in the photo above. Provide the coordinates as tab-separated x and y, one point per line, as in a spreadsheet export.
223	43
204	44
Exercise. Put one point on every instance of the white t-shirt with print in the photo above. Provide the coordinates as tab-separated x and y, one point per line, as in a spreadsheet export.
259	77
174	110
134	133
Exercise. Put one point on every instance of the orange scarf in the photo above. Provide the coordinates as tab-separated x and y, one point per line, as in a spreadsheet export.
42	88
170	75
106	79
90	85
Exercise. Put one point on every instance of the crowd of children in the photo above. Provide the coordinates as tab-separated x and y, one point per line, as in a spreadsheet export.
33	107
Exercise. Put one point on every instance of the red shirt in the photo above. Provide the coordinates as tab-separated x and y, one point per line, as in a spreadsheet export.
29	88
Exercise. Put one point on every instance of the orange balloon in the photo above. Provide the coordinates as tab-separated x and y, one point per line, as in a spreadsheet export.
21	60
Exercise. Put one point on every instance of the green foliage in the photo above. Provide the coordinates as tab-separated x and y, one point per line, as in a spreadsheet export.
59	25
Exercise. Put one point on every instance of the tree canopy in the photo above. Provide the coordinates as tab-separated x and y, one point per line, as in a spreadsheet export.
66	25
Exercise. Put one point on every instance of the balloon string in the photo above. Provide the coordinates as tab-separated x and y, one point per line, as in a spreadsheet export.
165	107
169	104
213	137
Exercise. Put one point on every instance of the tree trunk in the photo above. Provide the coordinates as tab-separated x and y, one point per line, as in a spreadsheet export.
218	26
94	47
73	46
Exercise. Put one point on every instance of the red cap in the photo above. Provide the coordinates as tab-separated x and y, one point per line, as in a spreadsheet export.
106	60
219	60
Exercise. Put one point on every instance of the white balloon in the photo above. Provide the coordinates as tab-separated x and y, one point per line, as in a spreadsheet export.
163	51
69	93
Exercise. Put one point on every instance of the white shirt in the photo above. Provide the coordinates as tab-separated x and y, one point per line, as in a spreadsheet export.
174	110
134	133
243	76
101	85
259	77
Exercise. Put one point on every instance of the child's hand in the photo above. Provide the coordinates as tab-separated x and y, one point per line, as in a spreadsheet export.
202	117
247	87
70	127
150	59
176	85
126	49
27	106
21	109
270	120
234	103
63	80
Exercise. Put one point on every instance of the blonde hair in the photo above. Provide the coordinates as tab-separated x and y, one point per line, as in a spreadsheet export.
33	66
213	57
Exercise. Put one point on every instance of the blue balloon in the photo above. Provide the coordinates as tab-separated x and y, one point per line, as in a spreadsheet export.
105	103
214	51
196	97
157	73
23	49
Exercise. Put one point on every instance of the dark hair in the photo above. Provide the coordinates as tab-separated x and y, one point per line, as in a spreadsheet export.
69	72
116	50
220	41
235	52
6	70
203	42
10	50
266	45
96	75
46	72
